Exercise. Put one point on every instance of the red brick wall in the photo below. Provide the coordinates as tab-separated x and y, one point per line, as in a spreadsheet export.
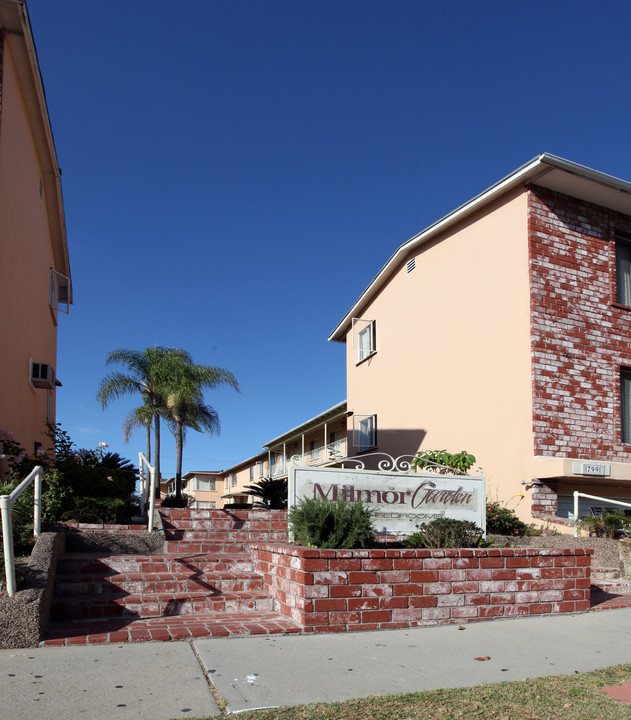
580	338
238	525
340	590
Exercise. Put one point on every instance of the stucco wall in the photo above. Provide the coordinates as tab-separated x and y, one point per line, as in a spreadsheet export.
27	325
452	368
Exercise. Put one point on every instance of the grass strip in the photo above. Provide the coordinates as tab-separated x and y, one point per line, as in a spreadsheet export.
564	697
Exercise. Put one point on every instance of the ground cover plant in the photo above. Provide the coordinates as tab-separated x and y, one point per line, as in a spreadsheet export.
447	533
566	697
608	524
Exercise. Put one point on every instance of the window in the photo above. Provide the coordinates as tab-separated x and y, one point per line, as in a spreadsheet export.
364	431
226	485
364	338
259	464
623	272
205	484
233	479
314	450
252	473
59	291
205	505
625	404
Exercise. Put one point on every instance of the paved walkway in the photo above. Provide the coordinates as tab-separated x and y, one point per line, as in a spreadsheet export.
159	681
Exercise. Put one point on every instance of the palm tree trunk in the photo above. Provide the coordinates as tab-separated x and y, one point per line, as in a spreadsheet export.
156	452
179	441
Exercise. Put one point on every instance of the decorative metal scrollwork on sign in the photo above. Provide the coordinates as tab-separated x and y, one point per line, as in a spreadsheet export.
403	463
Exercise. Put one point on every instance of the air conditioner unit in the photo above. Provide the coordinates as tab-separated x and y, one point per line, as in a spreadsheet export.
43	375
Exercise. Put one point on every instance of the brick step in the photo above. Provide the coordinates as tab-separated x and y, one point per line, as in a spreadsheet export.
218	624
203	546
174	562
82	607
603	573
613	587
165	582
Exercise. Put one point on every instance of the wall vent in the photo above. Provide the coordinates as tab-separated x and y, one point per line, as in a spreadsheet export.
411	265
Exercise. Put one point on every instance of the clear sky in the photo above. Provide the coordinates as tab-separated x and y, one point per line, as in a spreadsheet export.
235	172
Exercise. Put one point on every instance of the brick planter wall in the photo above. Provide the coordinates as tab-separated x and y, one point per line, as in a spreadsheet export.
341	590
242	525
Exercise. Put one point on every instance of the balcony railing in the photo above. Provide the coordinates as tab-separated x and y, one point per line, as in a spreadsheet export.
319	456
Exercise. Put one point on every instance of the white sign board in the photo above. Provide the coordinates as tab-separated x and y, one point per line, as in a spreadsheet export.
400	501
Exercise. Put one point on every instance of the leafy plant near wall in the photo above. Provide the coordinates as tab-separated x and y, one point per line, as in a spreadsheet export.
609	523
441	461
74	479
503	521
271	493
330	524
448	533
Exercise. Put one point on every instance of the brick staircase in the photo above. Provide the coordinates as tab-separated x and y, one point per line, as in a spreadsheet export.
204	584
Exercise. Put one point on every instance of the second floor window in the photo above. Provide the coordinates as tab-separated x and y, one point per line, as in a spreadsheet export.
623	272
625	404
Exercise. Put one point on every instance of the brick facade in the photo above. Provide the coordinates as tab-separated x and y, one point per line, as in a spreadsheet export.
579	336
342	590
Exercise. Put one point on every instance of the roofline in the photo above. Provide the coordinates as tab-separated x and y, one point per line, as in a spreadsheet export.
295	430
16	26
528	173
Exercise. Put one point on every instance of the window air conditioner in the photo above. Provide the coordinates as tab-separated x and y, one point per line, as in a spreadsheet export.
43	375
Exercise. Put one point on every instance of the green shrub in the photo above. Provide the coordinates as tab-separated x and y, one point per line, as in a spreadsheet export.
609	523
21	517
447	533
332	524
172	501
98	510
502	521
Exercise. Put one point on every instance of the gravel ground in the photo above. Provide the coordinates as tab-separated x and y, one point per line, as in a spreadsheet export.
606	551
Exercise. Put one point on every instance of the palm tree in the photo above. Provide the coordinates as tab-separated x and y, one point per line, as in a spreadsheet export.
147	377
185	404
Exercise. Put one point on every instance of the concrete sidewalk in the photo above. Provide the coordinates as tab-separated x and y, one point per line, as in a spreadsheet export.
159	681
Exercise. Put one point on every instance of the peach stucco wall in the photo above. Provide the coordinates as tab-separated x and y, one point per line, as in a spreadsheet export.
452	368
27	325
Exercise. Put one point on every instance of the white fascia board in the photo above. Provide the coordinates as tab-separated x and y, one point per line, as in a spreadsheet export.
528	173
290	434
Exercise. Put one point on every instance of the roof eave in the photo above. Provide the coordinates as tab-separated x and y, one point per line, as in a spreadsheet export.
532	171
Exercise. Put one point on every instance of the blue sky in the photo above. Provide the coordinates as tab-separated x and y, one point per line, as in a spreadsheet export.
235	172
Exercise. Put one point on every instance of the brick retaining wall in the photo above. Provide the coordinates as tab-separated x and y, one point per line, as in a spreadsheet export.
341	590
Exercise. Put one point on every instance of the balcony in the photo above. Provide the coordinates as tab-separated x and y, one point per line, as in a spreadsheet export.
319	456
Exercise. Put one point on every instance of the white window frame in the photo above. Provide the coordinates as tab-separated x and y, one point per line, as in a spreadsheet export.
364	338
201	480
205	505
364	432
260	468
59	292
233	480
251	473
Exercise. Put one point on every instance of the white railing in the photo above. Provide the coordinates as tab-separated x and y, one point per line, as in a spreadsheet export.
6	506
326	453
591	497
147	478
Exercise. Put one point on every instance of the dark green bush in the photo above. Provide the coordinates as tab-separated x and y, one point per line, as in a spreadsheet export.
98	510
502	521
331	524
172	501
448	533
270	493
